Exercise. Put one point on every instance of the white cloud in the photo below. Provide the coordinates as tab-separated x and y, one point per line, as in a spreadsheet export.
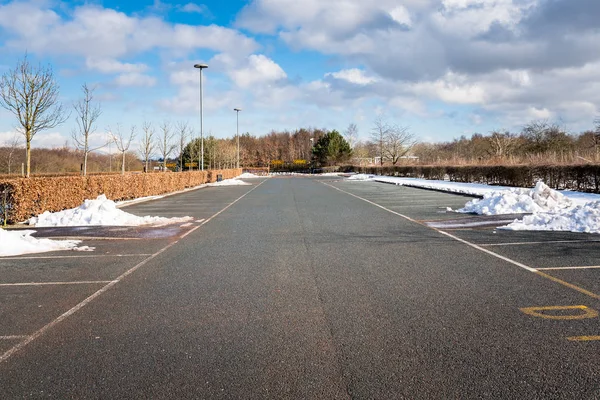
452	88
353	75
134	79
97	32
109	66
194	8
401	15
256	69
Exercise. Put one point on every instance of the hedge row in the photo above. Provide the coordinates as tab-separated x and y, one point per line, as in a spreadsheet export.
584	178
27	197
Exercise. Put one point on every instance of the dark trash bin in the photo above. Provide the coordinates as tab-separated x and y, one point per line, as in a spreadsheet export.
219	177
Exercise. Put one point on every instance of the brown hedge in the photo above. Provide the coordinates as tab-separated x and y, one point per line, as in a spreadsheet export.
27	197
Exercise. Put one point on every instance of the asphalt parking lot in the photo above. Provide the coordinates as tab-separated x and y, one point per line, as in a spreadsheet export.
36	289
300	287
568	256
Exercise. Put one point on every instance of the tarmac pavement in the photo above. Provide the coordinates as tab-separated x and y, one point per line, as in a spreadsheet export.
304	288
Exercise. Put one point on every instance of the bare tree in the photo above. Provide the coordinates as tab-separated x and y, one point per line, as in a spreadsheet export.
165	144
379	132
31	94
123	141
351	134
502	143
87	115
147	144
184	132
9	149
398	141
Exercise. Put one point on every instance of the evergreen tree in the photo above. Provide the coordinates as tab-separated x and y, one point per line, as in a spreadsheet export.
332	149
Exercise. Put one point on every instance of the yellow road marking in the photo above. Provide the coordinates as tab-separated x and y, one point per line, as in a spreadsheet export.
569	285
559	268
583	338
539	312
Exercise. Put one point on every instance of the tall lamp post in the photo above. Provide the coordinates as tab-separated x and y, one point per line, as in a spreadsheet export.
312	145
201	160
237	134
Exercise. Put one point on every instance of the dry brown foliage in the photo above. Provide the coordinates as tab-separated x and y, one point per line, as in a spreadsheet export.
28	197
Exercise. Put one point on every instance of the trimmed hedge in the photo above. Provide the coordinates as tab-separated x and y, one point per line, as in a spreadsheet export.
28	197
583	178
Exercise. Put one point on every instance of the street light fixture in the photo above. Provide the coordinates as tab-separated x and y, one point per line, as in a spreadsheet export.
201	160
237	114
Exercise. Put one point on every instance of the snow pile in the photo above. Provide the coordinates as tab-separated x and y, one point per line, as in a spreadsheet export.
21	242
516	201
361	177
229	182
100	211
583	218
248	175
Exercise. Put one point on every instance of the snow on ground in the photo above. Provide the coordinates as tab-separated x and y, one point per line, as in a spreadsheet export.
248	175
550	209
518	201
100	211
15	242
229	182
582	218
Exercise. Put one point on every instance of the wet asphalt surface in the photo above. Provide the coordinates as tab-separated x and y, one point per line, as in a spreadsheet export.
304	288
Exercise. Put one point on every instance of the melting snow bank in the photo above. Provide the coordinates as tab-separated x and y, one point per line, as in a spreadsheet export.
229	182
100	211
361	177
583	218
21	242
551	210
517	200
248	175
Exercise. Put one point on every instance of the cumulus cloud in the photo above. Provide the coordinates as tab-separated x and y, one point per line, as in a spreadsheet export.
96	32
353	75
254	70
195	8
109	66
134	79
517	58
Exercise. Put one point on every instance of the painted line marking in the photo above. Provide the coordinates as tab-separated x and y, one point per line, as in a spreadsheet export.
539	312
559	268
13	337
569	285
90	238
53	283
62	257
518	264
199	220
542	242
105	288
583	338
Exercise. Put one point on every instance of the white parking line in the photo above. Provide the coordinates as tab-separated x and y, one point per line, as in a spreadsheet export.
473	245
28	339
13	337
61	257
557	268
491	253
54	283
542	242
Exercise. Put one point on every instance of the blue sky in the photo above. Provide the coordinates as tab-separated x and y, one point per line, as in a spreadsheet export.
445	68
